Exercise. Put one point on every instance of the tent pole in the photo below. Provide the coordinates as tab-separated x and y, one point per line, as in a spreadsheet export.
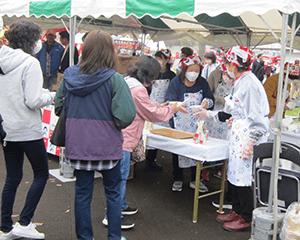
278	145
271	30
248	39
277	129
72	24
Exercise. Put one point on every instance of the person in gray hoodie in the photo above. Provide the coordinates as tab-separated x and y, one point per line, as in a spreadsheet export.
21	97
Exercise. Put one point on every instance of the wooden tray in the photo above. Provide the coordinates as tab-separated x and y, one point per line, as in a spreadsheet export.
172	133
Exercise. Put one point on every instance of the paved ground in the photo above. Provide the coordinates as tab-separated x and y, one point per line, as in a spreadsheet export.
163	214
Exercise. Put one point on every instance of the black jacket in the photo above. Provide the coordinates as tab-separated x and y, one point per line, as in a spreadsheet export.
65	61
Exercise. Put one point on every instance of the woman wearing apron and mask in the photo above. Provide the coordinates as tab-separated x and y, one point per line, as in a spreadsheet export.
190	86
158	92
246	111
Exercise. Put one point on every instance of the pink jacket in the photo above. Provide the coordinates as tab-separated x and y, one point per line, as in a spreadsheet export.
145	110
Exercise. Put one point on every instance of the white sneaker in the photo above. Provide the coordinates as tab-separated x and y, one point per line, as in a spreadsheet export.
202	187
7	236
177	186
27	231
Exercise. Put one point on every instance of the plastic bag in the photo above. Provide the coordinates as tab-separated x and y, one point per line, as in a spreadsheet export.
291	223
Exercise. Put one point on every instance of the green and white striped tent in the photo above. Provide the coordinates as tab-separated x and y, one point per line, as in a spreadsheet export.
215	22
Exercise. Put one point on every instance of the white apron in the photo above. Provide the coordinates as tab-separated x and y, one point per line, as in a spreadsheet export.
239	171
188	123
219	129
158	92
157	95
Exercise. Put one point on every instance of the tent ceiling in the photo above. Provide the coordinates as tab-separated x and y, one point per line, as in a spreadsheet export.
217	28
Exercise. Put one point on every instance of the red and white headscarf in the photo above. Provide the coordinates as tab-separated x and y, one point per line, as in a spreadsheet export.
293	69
222	67
191	60
243	52
168	55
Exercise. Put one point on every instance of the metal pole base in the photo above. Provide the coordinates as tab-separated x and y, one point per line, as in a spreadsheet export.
263	222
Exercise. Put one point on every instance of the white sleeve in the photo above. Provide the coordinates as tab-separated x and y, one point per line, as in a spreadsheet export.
34	95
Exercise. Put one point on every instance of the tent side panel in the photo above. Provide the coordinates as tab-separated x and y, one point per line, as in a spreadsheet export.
50	8
157	7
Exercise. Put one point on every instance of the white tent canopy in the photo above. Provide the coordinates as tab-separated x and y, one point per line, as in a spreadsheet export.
176	18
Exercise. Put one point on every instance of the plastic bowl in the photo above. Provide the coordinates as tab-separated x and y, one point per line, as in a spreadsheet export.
195	108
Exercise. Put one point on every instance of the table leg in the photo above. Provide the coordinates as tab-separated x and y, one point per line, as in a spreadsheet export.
221	201
196	193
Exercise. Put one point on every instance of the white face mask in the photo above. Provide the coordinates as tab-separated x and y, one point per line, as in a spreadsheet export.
227	79
38	47
191	76
231	74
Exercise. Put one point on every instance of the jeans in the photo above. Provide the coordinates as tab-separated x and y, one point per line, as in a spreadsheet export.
84	187
49	81
125	168
14	158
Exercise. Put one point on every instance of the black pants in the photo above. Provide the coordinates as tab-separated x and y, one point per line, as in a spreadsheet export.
178	172
242	201
151	155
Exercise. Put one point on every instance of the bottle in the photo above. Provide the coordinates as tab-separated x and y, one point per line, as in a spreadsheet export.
196	137
206	134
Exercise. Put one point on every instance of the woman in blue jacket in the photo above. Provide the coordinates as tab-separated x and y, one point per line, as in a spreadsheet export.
193	88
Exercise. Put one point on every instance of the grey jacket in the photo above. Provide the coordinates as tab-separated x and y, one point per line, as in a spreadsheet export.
21	95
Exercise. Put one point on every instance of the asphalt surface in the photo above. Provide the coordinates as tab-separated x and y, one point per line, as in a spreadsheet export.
163	214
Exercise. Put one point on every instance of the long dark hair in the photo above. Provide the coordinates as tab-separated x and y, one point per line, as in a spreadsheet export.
161	55
97	52
182	75
145	70
23	34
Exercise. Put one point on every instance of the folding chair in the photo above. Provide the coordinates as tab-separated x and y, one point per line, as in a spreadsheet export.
288	174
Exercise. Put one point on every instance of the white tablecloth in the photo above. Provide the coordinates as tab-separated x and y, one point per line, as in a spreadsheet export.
213	150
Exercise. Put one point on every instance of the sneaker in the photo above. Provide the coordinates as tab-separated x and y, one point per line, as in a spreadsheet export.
125	224
129	211
219	175
202	187
27	231
177	186
123	238
7	236
226	205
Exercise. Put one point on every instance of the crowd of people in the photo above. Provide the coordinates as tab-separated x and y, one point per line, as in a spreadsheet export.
109	111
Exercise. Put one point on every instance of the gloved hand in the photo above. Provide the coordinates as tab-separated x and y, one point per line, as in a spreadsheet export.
229	122
202	113
248	150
